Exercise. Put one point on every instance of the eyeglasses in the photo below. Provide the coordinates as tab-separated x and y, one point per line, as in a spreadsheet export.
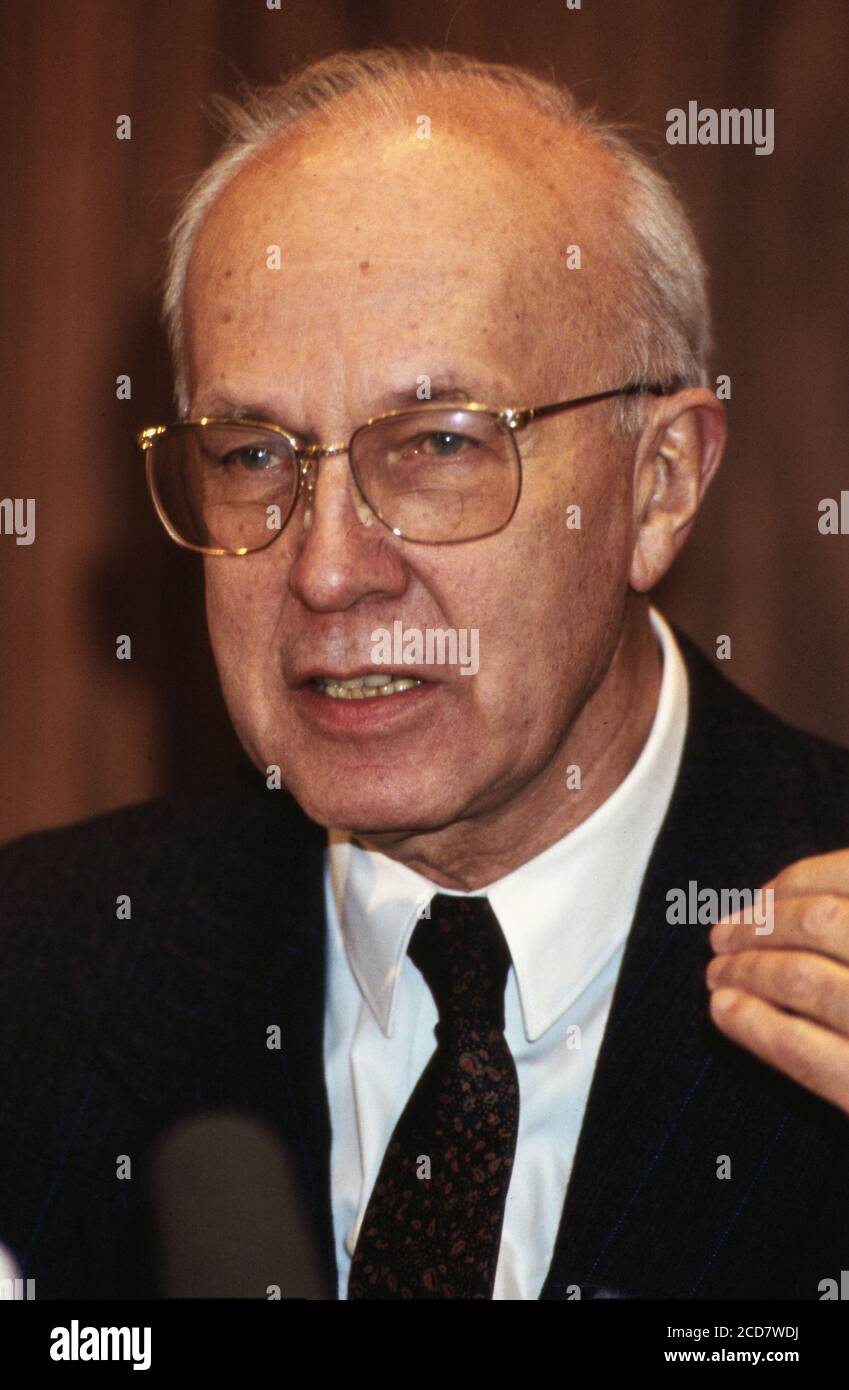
434	474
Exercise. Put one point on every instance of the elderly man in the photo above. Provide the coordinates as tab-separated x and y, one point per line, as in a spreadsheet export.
440	345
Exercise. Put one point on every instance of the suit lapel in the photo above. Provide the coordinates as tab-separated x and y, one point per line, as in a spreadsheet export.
302	994
282	980
235	950
669	1094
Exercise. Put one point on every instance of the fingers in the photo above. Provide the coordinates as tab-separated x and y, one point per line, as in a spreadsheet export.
813	923
800	963
808	984
806	1052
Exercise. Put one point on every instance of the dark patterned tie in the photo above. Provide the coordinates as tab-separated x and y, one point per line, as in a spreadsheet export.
432	1227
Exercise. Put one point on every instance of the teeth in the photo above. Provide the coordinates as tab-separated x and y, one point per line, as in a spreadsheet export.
365	687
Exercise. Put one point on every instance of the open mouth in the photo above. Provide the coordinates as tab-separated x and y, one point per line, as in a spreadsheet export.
364	687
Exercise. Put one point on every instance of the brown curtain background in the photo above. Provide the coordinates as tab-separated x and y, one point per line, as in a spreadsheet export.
84	221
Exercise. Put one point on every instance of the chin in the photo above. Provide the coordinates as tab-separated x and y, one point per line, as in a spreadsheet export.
371	810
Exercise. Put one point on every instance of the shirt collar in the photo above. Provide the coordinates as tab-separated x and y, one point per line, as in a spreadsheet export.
563	913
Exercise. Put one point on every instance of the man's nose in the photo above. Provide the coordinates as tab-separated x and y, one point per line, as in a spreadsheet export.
341	552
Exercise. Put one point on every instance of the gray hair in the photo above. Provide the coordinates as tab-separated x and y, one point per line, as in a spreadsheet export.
663	330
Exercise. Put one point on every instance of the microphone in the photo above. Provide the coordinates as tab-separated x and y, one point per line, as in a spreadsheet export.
229	1214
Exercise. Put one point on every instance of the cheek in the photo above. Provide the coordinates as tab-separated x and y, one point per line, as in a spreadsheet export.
242	602
563	586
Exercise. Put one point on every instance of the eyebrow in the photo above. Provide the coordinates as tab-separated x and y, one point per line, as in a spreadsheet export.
408	395
223	407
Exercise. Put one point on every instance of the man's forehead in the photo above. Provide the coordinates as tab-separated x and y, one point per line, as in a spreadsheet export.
465	234
337	193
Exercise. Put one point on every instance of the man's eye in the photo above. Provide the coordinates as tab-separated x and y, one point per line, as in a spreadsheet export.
443	444
254	460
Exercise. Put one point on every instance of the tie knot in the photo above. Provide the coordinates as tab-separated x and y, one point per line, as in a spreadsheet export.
461	952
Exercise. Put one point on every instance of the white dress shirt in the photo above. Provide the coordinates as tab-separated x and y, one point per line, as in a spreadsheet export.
565	915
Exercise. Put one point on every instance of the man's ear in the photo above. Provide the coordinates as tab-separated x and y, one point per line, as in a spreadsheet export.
678	454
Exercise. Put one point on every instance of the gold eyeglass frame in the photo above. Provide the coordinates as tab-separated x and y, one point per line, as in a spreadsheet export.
306	455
